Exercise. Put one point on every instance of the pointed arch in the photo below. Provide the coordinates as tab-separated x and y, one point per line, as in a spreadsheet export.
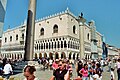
74	29
45	55
40	55
36	56
63	55
42	31
51	55
55	28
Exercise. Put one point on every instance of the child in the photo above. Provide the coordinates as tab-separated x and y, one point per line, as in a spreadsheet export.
112	74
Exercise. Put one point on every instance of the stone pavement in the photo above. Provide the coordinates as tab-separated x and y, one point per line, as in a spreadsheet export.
45	75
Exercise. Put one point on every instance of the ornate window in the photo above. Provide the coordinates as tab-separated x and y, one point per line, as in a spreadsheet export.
46	45
22	36
61	44
65	44
16	36
55	45
49	45
68	44
42	31
37	47
55	29
74	29
52	45
10	38
41	45
5	39
58	45
88	36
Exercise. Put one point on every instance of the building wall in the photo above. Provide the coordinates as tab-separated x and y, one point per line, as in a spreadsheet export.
64	42
72	22
87	41
13	48
65	34
99	39
99	43
12	33
65	26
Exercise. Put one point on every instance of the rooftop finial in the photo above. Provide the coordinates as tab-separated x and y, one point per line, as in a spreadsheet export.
67	10
9	27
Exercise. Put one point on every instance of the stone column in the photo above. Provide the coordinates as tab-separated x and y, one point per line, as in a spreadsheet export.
29	43
81	22
81	42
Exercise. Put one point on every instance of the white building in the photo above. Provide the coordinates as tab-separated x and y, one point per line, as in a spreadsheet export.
113	52
56	36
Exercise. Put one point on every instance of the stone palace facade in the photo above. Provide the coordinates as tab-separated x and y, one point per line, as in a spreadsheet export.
57	36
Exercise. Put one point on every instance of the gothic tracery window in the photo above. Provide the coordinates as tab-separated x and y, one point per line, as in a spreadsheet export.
17	37
55	29
74	29
42	31
5	39
23	36
10	38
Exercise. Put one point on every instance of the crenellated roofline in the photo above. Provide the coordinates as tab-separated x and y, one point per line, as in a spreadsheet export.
67	11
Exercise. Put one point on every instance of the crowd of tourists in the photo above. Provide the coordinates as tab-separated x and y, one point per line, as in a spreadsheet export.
63	69
86	69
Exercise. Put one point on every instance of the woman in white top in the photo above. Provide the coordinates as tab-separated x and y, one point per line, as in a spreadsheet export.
29	73
7	70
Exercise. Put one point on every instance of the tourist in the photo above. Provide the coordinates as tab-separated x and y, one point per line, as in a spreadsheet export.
79	66
69	67
102	64
98	72
29	73
112	74
91	70
84	72
118	68
61	73
7	70
109	65
50	64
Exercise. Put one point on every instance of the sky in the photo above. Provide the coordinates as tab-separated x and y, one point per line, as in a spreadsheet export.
105	13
